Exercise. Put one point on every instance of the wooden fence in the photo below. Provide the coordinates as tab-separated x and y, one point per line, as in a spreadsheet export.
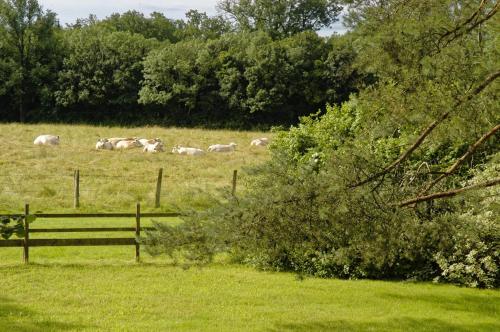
26	243
78	186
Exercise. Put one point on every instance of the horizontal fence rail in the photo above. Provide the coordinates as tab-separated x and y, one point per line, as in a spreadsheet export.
85	230
26	242
97	215
71	242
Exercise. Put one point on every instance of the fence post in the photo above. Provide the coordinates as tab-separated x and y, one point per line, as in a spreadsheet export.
158	188
137	231
235	174
76	203
26	252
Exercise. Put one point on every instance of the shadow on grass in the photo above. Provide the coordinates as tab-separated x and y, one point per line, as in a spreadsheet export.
481	305
398	324
90	264
14	318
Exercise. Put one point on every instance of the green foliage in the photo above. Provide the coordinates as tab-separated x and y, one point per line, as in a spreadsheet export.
13	225
103	70
473	256
247	77
10	226
281	18
156	26
188	241
317	138
200	26
312	210
30	58
202	67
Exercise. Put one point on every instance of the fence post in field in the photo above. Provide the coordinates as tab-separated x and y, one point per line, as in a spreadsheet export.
26	252
158	188
235	174
76	203
137	231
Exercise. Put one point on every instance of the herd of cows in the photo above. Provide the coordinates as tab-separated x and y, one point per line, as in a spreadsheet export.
153	145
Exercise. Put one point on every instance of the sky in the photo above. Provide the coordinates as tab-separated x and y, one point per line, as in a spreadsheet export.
69	10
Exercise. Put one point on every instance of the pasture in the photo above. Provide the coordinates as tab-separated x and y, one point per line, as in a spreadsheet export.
115	180
103	289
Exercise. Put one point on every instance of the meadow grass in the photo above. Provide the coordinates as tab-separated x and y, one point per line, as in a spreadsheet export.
116	180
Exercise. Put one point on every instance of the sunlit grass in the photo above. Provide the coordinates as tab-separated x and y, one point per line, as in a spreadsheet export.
115	180
158	297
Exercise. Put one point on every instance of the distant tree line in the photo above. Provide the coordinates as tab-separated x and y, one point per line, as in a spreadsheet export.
257	63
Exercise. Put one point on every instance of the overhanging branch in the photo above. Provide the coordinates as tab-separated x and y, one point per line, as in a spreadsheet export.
469	24
450	193
429	129
460	161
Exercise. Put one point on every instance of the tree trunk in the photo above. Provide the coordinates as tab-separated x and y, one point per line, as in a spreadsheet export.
22	113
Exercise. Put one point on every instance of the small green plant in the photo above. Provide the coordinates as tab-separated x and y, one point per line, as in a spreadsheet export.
10	226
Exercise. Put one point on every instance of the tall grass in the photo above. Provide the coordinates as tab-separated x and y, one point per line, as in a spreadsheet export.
115	180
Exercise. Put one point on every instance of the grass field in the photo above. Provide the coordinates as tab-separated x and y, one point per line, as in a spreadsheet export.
162	297
115	180
103	289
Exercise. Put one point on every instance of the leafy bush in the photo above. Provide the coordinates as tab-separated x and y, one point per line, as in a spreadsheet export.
13	225
473	257
318	134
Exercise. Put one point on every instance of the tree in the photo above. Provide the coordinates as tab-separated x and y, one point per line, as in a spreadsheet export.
31	52
102	71
403	180
156	26
281	18
200	25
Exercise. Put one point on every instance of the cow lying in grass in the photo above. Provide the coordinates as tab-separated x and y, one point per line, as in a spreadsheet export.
115	140
188	151
145	141
153	147
128	144
222	147
46	140
264	141
103	144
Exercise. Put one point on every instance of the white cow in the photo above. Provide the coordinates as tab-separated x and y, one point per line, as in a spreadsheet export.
154	147
222	147
128	144
263	141
46	140
188	151
145	141
103	144
115	140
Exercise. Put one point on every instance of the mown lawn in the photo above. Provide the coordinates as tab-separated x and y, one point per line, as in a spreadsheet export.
161	297
103	289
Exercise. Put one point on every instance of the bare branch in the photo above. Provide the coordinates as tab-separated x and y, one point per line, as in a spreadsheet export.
468	25
450	193
460	161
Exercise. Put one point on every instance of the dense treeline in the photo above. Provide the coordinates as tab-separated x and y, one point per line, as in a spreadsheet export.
260	64
402	181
